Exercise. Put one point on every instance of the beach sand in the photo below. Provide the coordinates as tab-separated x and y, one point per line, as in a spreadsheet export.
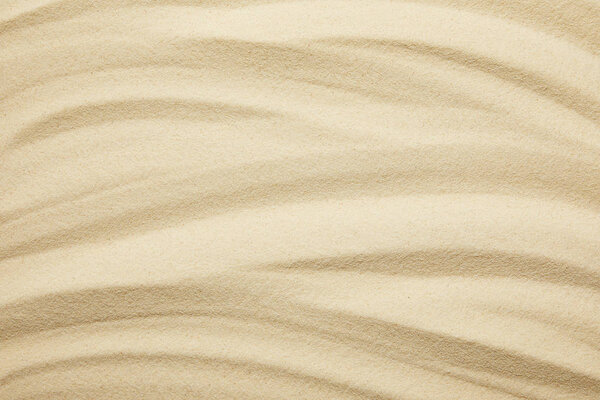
300	199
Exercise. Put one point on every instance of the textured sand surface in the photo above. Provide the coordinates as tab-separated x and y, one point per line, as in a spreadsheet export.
299	199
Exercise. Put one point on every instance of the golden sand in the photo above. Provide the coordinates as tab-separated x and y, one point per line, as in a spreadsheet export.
300	199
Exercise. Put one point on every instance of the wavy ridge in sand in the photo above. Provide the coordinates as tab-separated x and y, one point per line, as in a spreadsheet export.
299	199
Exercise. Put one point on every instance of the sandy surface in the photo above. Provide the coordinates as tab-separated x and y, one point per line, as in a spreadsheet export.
299	199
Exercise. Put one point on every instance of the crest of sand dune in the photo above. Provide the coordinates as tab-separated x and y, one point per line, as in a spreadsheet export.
299	199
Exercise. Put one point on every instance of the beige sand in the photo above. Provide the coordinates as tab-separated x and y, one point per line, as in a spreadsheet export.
299	199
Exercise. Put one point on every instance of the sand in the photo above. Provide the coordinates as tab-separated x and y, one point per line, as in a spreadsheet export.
299	199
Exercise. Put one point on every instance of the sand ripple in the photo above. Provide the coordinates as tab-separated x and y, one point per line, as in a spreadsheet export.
263	199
